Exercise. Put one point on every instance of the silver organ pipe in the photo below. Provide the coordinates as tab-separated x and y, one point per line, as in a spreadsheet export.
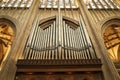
28	49
59	40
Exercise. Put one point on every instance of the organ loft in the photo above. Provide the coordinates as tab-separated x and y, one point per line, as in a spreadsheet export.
59	39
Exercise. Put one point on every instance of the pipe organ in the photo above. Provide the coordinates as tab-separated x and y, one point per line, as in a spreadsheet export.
59	39
58	47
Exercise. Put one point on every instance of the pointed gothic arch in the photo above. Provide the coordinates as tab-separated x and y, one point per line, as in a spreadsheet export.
47	21
111	36
7	35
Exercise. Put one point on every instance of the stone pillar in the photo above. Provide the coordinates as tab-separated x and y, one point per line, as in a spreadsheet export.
109	71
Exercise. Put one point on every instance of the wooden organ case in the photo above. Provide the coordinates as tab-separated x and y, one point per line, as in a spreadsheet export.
59	49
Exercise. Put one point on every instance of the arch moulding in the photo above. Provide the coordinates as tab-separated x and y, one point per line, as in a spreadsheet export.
109	21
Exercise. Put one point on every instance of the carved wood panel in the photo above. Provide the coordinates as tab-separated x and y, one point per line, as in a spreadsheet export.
84	76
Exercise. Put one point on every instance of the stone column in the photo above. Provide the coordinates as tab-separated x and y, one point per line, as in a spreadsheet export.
109	70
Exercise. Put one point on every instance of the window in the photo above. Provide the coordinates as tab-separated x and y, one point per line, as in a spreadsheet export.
54	4
101	4
16	3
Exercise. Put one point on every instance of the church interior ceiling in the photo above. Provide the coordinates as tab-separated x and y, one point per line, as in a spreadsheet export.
52	42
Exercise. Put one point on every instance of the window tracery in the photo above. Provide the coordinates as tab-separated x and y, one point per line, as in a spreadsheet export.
15	3
54	4
101	4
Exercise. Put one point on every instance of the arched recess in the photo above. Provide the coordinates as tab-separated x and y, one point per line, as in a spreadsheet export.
7	34
111	36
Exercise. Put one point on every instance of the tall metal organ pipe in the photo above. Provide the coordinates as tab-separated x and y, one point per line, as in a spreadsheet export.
66	41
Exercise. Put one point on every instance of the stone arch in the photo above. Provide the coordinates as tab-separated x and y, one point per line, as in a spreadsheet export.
10	20
106	22
6	44
112	22
49	20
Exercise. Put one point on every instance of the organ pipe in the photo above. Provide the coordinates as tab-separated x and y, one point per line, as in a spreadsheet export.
59	40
